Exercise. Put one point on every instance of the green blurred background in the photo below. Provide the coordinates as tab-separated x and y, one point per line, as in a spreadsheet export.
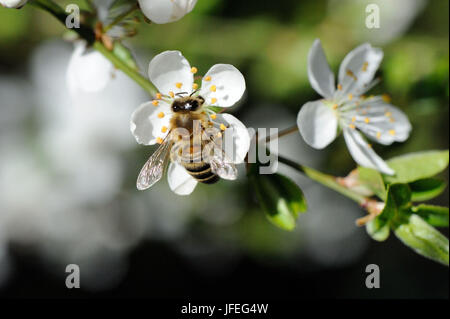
216	242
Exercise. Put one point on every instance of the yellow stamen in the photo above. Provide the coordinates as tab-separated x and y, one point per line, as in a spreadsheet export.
339	87
155	102
365	65
195	86
352	75
172	95
350	96
179	85
159	96
388	114
369	145
367	120
164	129
352	126
386	98
335	106
213	88
392	132
194	70
207	78
378	135
213	116
392	120
223	127
213	100
160	115
353	119
159	140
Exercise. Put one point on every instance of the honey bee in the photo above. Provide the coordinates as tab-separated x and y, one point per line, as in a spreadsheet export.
203	158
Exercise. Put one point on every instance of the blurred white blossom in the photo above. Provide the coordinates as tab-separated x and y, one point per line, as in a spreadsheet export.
13	3
395	18
61	169
165	11
88	70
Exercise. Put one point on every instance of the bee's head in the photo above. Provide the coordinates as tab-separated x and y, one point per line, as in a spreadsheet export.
189	104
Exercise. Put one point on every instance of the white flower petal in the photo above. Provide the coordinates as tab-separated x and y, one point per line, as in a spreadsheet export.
12	3
381	122
169	69
146	122
358	69
165	11
317	124
226	85
319	73
362	153
236	139
88	71
180	182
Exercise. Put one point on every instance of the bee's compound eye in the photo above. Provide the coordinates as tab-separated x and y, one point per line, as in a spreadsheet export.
175	107
194	105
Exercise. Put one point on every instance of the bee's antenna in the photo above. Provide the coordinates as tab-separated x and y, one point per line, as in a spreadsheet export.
193	92
180	93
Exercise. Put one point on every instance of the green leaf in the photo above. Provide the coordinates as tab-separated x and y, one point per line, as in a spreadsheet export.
412	167
378	229
426	189
433	215
424	239
281	199
291	192
399	196
373	180
397	199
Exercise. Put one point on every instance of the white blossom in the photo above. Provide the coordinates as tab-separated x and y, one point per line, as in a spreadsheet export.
346	108
222	86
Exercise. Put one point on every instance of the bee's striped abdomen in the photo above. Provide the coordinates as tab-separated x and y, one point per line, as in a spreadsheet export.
201	172
190	156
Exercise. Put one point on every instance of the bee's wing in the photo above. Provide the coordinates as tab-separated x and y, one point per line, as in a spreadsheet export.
223	169
154	168
220	164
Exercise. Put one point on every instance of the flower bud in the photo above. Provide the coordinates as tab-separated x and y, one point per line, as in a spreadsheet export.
13	3
280	198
